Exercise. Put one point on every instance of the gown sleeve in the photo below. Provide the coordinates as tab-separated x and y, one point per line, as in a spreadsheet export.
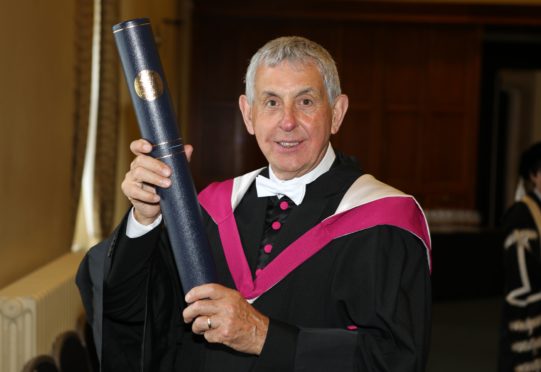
113	280
124	299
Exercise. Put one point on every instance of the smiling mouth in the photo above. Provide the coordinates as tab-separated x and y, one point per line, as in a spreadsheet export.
288	144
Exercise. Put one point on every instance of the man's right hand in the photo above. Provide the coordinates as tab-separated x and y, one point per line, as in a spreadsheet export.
145	174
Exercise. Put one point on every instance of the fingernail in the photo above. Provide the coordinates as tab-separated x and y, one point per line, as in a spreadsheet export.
166	182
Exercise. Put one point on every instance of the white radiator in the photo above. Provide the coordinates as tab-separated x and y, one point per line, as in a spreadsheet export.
35	309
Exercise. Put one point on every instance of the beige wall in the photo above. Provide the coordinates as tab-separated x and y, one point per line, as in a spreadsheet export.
36	120
37	58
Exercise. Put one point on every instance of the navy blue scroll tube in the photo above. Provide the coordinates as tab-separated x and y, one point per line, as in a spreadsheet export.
158	125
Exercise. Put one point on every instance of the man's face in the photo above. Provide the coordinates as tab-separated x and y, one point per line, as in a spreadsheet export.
536	180
291	117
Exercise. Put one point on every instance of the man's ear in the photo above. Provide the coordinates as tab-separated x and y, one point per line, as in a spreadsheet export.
246	111
339	112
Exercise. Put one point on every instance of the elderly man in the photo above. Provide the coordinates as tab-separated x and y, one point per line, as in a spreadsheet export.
320	268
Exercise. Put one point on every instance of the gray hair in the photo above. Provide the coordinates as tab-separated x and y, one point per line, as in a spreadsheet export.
294	49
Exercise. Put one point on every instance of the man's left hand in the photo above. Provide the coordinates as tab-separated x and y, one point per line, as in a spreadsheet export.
223	316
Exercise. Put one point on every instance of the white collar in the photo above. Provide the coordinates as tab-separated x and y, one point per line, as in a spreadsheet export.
294	188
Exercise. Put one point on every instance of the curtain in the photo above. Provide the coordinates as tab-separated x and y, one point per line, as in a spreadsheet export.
108	120
83	67
96	122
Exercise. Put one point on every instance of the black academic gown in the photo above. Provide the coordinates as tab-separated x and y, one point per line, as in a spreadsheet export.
521	311
362	303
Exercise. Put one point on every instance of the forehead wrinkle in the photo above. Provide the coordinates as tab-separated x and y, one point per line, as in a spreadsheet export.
309	90
269	93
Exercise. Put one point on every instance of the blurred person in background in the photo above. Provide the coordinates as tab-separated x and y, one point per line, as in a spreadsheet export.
520	342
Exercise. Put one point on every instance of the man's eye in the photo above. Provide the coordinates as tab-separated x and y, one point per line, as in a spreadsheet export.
306	102
271	103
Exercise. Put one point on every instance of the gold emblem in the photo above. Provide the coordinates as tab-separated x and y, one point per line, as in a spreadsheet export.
148	85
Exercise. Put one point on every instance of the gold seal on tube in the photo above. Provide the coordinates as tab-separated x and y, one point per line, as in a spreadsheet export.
148	85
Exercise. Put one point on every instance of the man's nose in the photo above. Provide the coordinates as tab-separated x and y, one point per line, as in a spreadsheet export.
289	121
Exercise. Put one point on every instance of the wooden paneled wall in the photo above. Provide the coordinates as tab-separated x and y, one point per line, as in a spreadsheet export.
413	88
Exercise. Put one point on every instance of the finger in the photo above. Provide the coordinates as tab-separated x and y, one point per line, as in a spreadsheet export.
213	336
146	172
206	291
151	164
188	149
140	146
205	324
200	308
137	185
136	191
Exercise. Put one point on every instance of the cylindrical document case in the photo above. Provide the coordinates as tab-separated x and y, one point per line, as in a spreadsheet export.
157	123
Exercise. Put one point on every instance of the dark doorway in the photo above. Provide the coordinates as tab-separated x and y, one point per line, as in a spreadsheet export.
511	58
